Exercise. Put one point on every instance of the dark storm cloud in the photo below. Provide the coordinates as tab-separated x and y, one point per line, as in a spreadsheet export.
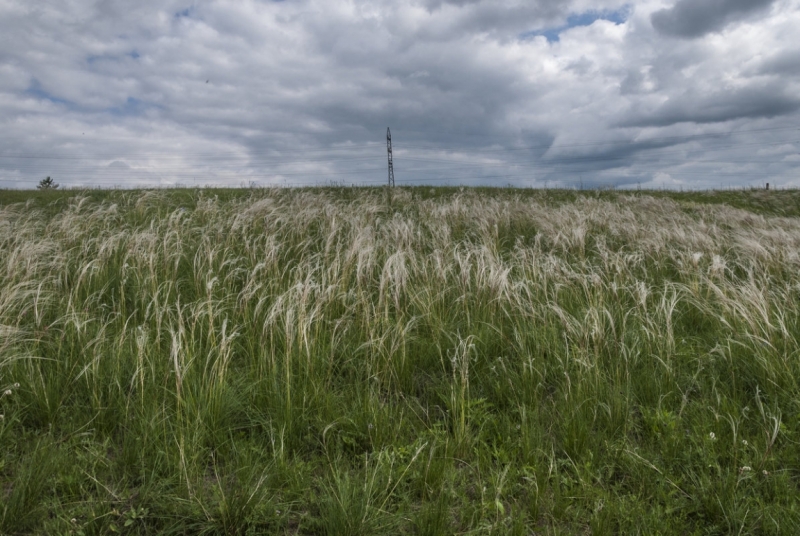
695	18
784	63
720	106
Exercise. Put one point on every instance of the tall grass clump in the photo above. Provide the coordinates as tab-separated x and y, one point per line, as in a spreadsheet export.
322	361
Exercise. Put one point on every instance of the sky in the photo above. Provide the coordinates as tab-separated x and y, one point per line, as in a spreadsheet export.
686	94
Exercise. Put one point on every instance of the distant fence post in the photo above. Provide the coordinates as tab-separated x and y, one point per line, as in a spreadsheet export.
767	186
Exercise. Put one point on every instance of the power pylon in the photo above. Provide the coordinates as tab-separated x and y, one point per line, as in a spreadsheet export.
389	151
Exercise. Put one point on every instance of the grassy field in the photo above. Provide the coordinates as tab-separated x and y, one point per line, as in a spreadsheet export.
322	361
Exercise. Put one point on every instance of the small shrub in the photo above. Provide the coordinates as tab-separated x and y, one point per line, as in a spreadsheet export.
47	184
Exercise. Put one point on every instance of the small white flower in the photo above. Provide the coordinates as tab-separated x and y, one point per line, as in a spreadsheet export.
745	469
712	436
2	417
765	472
744	442
16	385
7	392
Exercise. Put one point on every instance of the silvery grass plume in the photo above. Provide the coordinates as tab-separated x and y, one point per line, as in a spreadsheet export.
458	361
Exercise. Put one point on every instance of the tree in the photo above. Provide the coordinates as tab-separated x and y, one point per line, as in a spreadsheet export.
47	184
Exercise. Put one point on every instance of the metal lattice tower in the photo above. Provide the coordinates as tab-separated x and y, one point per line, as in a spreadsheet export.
389	151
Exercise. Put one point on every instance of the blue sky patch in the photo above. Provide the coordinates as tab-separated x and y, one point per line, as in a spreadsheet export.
36	91
131	107
94	58
586	18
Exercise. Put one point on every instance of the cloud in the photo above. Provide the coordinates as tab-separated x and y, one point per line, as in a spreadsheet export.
693	106
575	20
786	62
301	92
695	18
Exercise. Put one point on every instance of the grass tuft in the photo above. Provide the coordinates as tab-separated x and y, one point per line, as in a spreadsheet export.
479	361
